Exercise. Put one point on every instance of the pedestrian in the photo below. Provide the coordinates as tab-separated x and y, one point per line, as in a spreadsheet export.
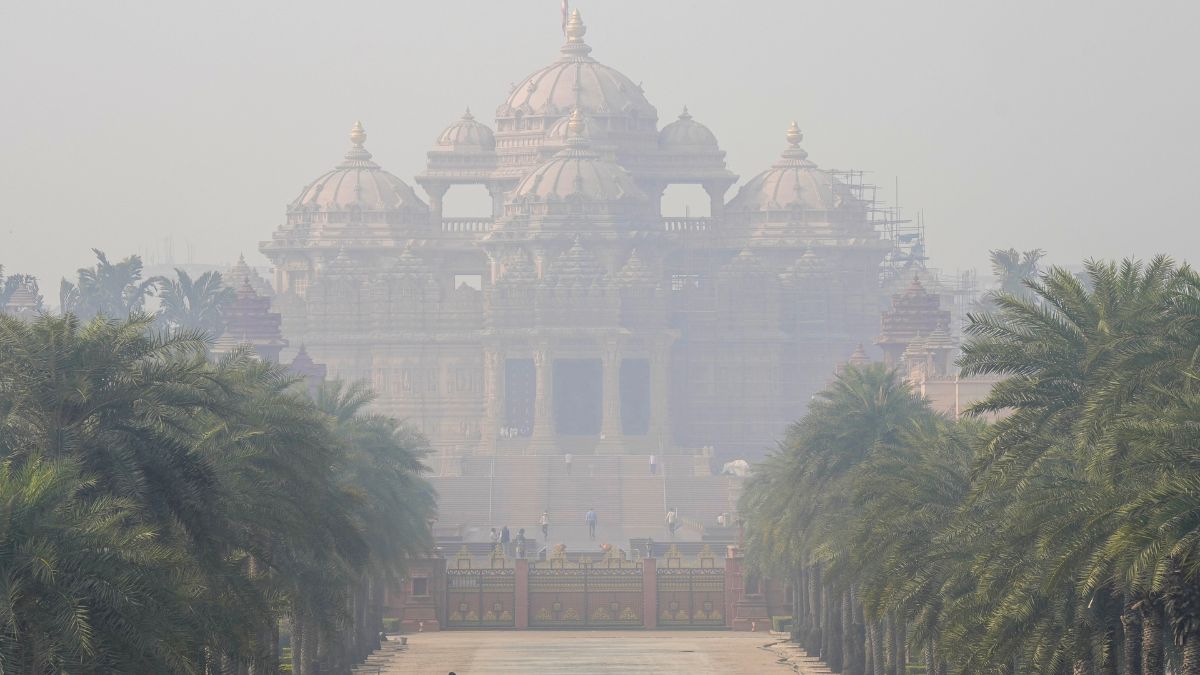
505	538
590	519
672	521
521	543
653	465
495	537
545	522
567	458
649	547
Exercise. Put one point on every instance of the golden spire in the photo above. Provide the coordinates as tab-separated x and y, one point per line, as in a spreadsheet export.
575	123
575	28
794	136
358	135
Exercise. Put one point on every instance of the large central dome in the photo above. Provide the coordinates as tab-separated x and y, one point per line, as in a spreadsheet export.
577	81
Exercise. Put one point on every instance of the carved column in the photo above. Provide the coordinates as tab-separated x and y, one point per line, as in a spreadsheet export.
716	199
437	193
610	424
493	392
543	399
660	374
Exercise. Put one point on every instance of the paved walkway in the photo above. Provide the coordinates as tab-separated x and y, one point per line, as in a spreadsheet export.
693	653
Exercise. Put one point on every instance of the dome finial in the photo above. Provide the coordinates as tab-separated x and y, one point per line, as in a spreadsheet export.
575	30
467	115
358	135
357	153
685	115
794	135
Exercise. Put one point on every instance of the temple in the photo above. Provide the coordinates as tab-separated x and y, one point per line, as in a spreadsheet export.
575	317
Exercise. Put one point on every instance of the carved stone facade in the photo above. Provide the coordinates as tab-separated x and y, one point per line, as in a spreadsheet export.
575	317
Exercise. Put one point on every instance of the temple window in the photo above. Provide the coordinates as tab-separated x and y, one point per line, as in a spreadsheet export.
472	281
681	200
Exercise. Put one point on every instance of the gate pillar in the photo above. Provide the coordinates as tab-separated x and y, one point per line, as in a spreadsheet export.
649	593
521	588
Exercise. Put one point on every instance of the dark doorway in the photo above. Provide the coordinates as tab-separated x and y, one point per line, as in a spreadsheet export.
635	397
577	396
520	387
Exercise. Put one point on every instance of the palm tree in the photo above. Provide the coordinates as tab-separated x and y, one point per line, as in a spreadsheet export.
1013	269
115	290
194	304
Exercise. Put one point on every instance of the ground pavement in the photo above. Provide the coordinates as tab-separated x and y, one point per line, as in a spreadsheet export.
545	652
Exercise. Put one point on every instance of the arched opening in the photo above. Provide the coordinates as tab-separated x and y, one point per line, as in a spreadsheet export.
686	201
467	201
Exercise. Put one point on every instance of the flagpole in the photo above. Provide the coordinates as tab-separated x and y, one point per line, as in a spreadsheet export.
565	12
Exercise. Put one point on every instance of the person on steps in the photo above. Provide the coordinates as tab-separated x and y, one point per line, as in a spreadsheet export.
672	521
590	519
545	523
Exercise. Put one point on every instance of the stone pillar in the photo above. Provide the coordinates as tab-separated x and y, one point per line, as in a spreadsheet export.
660	375
437	193
543	400
493	392
649	593
716	199
610	424
521	601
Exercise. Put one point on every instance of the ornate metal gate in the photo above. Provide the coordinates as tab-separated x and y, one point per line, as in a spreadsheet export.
691	595
603	594
480	598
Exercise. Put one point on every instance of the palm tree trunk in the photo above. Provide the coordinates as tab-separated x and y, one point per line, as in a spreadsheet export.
1152	638
813	646
848	660
836	656
900	629
1131	639
889	646
297	645
878	660
798	609
1191	655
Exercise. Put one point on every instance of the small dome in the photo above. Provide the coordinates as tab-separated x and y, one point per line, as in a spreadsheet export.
792	182
467	135
578	172
686	134
357	184
556	135
576	80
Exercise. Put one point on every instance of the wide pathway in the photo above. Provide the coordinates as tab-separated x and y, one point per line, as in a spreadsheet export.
473	653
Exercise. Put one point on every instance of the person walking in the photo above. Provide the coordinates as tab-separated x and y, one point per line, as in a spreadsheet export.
590	519
521	543
672	521
567	459
505	538
653	465
495	537
545	523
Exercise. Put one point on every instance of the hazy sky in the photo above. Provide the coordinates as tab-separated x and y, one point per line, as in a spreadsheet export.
1070	126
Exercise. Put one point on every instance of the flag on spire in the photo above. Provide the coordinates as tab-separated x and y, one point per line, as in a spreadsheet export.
564	16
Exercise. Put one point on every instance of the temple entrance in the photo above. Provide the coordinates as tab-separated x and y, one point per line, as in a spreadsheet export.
578	391
520	386
635	397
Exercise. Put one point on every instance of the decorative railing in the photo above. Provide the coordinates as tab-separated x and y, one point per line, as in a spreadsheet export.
466	224
675	224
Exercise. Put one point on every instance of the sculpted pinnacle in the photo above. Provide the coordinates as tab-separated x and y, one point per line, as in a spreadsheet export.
794	135
575	45
358	135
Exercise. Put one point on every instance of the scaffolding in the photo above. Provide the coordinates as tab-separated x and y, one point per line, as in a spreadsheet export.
906	236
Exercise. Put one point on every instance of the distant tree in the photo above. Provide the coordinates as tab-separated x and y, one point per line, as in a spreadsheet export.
9	285
1013	268
194	304
114	290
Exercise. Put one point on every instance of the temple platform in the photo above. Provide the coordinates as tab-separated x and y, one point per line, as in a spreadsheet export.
479	493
